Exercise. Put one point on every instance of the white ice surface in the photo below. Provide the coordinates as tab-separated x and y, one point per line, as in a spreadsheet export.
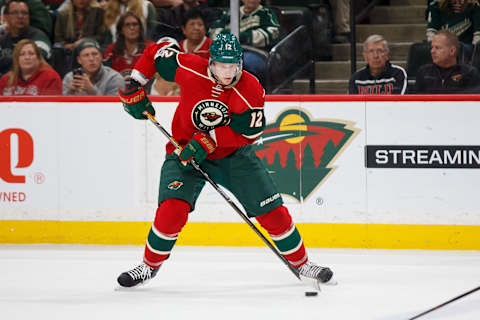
78	282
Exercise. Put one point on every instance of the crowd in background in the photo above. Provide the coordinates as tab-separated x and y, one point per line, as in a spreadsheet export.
89	47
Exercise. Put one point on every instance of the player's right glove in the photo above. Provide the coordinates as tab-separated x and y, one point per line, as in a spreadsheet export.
198	148
135	102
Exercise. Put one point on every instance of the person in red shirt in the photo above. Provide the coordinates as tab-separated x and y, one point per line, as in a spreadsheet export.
194	29
31	74
123	54
219	116
196	42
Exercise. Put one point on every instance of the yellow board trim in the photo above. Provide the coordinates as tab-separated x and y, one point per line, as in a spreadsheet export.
380	236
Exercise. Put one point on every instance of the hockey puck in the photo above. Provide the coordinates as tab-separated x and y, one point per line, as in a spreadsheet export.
311	293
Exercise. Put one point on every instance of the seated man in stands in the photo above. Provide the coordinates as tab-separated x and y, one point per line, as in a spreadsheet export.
91	78
259	30
379	76
446	75
40	17
17	16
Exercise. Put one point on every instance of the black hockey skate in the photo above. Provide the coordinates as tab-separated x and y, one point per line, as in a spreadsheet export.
136	276
313	271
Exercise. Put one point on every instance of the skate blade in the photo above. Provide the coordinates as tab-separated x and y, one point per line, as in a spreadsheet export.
317	284
118	287
331	282
312	283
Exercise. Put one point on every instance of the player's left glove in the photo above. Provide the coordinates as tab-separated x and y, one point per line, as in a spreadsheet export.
198	148
249	123
135	102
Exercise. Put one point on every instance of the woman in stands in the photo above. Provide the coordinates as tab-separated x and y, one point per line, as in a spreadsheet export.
31	74
144	9
196	42
79	20
123	54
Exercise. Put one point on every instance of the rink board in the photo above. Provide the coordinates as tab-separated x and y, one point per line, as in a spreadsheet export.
91	172
384	236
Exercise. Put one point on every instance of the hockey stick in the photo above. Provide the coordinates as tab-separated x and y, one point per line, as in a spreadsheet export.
445	303
223	194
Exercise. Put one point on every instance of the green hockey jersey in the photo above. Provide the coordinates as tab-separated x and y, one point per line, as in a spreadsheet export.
259	29
465	24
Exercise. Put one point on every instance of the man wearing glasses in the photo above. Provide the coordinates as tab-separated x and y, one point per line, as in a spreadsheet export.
17	17
379	76
91	78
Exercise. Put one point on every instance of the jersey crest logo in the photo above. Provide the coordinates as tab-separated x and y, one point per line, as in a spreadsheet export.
299	152
457	77
210	114
175	185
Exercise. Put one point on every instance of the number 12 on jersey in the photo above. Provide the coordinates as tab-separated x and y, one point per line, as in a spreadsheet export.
256	119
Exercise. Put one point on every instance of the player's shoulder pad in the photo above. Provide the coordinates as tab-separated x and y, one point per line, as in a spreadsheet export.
192	62
251	90
166	50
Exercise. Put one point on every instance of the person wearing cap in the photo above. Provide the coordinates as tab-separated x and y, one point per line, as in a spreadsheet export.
91	78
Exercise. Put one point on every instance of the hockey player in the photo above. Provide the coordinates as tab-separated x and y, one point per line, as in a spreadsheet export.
219	116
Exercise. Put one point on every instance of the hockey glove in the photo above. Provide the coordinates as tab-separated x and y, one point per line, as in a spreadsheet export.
248	123
135	102
198	148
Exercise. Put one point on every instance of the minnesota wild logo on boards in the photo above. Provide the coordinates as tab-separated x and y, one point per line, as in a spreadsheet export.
298	151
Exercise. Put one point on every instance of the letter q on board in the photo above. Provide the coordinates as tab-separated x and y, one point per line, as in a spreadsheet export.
25	154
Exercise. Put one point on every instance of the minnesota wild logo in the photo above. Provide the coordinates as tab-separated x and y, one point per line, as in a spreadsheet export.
299	152
209	114
175	185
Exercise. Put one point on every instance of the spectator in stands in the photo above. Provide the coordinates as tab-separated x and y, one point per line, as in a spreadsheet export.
79	20
196	42
462	17
379	76
144	9
123	54
92	78
259	30
17	16
39	15
195	32
174	17
31	74
445	75
179	12
341	20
